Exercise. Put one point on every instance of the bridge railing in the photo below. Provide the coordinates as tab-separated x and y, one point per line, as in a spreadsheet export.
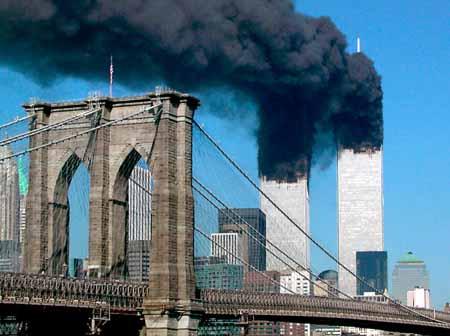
117	294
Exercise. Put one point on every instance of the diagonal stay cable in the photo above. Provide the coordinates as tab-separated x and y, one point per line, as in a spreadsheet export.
315	242
243	261
55	142
312	282
47	127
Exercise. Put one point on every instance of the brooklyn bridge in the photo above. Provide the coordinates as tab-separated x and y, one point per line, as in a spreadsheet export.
110	136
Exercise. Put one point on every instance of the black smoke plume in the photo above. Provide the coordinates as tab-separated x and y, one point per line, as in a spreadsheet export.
294	67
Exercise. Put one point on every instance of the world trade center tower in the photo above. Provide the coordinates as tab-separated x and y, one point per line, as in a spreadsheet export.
360	209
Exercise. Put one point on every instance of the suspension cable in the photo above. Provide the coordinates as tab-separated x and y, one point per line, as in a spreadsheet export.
312	282
17	120
46	128
243	261
55	142
319	245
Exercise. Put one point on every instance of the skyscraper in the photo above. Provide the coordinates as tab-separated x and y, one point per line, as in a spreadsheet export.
251	224
409	273
371	266
139	224
360	209
9	213
293	198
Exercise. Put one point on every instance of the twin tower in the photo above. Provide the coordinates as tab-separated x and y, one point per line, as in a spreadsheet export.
359	207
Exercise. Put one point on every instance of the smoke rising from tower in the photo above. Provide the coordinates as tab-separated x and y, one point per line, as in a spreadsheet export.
292	66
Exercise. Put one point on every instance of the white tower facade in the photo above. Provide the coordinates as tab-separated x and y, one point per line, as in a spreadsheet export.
360	209
292	198
229	245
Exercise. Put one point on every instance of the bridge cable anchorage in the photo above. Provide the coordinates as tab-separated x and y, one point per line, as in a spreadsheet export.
55	142
17	120
244	262
47	127
312	274
310	238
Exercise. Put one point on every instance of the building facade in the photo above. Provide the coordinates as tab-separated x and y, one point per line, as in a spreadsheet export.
139	224
360	209
9	213
215	272
293	199
371	266
409	273
228	245
251	224
267	282
299	283
419	298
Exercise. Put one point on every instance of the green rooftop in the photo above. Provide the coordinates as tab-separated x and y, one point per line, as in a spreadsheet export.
410	258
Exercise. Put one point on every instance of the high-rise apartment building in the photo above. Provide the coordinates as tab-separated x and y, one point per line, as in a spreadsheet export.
299	283
9	213
139	224
371	266
250	223
228	245
266	282
292	198
360	209
409	273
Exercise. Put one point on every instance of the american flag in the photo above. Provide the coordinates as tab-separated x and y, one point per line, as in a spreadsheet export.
111	73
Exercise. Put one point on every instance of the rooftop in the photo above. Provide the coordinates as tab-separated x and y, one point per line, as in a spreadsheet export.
410	258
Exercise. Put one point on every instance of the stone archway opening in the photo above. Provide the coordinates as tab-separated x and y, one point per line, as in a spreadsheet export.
131	210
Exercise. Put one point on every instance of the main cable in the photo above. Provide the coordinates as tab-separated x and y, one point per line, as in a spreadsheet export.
312	282
244	262
17	120
319	245
55	142
47	127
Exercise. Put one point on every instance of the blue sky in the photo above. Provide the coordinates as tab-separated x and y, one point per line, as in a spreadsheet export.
409	42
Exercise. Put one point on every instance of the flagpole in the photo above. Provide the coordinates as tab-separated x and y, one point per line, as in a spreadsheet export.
111	72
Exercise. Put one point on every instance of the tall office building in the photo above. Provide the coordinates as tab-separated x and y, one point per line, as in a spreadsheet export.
228	245
360	209
293	198
9	213
371	266
409	273
139	224
23	190
251	224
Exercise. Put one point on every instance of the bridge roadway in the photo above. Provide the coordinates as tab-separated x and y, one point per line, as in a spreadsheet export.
322	310
126	298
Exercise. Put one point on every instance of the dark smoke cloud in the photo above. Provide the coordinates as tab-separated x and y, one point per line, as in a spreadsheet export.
292	66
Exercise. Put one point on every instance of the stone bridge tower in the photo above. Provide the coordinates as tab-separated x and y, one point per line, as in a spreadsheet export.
163	137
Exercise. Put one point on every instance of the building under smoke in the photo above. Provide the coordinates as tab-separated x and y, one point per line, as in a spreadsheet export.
360	209
293	198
